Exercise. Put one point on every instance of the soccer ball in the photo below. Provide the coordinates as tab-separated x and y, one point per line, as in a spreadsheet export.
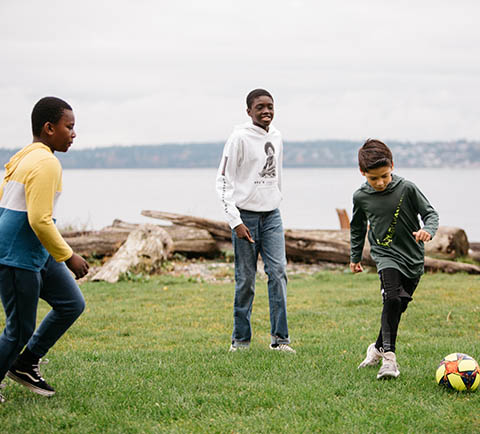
458	371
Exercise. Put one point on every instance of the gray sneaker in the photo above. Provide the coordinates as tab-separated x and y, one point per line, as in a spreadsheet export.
282	347
234	348
389	367
373	357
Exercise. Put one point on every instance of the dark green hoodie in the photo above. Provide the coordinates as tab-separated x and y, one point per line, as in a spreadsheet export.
393	217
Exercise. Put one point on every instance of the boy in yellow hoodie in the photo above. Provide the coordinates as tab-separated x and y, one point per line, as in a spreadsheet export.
33	255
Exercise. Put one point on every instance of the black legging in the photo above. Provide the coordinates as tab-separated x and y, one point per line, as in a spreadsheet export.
397	291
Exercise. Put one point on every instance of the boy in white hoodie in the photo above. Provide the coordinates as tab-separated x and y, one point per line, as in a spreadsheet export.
249	186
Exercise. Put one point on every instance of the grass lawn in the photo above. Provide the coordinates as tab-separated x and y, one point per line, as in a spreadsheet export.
152	357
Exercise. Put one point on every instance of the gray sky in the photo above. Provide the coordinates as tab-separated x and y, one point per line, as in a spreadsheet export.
147	72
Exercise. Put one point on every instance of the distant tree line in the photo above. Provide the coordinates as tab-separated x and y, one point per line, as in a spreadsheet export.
317	153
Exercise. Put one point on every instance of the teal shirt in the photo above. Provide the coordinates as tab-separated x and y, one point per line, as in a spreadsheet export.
393	216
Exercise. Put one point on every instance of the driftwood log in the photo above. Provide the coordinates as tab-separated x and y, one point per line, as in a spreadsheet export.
434	265
448	243
148	246
321	245
331	245
217	228
474	251
96	243
188	241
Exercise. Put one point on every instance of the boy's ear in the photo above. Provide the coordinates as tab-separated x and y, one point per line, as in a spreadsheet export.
49	128
249	110
361	171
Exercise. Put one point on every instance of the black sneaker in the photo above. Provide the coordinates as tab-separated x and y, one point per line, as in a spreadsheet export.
30	377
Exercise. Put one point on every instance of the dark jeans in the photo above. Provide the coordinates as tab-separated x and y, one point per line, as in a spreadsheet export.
267	231
20	291
397	291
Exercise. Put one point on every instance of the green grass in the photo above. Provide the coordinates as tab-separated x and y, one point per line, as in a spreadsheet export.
152	357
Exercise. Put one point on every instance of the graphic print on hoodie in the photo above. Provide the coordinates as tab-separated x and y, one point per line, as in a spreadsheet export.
391	216
250	172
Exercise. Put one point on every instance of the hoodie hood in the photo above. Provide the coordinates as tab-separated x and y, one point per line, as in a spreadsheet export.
396	181
15	160
252	128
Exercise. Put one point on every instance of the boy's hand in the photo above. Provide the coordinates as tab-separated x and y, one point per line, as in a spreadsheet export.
422	235
356	267
78	265
242	232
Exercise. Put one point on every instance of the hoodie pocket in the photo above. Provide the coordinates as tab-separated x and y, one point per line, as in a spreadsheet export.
264	198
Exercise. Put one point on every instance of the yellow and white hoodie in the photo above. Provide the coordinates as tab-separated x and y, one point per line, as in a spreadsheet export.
250	173
28	195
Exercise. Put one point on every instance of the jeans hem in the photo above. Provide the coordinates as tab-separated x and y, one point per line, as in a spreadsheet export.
275	340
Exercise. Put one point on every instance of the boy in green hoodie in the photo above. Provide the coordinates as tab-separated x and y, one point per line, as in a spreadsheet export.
391	206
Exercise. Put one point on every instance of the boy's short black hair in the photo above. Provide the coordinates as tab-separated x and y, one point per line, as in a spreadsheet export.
255	93
373	154
48	109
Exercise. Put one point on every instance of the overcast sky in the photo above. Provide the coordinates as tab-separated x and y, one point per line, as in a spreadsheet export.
154	71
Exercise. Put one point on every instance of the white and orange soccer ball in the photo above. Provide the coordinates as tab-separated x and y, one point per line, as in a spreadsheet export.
459	372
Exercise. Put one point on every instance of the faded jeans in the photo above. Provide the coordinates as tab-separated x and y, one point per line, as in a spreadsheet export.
267	231
20	291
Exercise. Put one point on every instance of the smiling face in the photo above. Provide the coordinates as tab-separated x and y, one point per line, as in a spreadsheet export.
261	111
380	177
59	136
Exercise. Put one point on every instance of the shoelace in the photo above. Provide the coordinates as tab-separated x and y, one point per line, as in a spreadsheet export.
36	368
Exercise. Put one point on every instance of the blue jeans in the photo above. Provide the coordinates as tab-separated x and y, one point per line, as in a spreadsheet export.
20	291
267	231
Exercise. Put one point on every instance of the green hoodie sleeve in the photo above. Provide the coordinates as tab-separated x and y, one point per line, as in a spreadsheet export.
427	213
358	230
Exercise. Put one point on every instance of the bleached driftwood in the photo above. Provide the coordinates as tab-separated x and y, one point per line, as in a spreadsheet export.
448	243
432	264
321	245
217	228
188	241
96	243
148	244
331	245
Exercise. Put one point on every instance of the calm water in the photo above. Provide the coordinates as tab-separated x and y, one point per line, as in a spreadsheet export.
94	198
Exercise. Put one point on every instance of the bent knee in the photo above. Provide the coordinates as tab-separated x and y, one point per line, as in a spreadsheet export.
75	308
80	306
392	300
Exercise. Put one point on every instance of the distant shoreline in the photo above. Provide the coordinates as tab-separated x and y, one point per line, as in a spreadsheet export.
315	154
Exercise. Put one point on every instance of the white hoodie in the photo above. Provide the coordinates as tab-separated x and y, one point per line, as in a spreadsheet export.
250	173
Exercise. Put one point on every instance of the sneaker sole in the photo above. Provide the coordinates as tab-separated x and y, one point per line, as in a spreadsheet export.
364	365
282	351
388	375
33	388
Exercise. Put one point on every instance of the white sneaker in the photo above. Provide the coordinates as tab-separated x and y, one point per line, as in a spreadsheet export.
283	347
373	357
240	348
389	366
2	398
